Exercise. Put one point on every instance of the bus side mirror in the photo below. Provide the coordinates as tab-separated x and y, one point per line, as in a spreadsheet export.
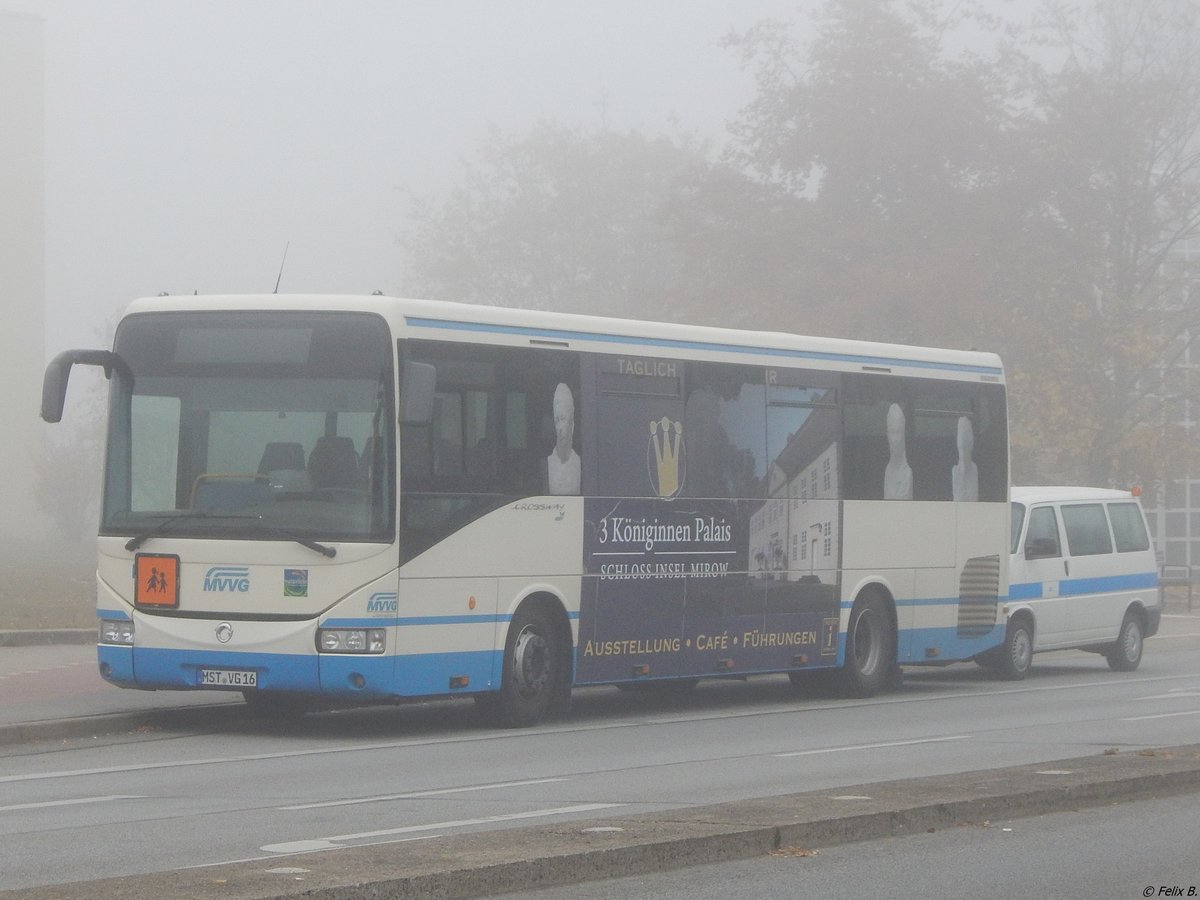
54	383
416	393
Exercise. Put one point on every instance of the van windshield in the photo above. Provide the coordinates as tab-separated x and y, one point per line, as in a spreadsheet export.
1016	521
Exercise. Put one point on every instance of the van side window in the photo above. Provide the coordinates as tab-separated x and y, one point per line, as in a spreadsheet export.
1129	529
1087	529
1041	541
1016	519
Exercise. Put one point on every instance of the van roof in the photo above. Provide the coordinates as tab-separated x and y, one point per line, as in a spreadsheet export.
1053	494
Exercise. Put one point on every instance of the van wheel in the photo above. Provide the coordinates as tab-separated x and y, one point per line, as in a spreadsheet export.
1015	656
535	670
870	648
1126	653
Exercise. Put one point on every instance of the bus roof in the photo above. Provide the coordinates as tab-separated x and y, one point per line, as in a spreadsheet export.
441	320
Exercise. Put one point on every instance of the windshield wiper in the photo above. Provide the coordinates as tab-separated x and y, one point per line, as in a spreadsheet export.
165	525
169	521
323	549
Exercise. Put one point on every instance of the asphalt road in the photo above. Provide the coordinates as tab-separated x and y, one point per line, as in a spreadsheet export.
216	788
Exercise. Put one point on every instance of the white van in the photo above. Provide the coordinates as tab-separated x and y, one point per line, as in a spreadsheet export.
1082	574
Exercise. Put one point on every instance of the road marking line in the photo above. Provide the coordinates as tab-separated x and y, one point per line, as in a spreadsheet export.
1192	712
523	734
416	794
247	859
786	709
938	740
338	840
76	802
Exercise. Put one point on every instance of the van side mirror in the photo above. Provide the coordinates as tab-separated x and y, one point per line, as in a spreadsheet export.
58	372
416	393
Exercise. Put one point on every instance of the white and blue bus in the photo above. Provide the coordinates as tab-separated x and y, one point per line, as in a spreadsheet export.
360	499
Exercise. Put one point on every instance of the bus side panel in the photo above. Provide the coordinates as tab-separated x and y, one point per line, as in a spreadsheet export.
442	641
946	589
457	598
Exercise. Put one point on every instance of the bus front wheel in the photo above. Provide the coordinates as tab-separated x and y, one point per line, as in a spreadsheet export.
535	670
870	648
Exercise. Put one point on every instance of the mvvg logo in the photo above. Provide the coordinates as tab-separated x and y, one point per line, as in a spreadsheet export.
383	603
234	579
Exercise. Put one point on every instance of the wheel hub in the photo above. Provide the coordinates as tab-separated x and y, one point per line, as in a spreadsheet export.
531	662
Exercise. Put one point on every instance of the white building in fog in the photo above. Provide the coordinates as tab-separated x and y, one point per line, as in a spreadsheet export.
22	263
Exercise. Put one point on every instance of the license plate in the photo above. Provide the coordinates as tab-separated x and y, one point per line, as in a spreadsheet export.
233	678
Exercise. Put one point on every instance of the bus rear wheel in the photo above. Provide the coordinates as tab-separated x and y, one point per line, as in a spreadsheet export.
535	670
870	648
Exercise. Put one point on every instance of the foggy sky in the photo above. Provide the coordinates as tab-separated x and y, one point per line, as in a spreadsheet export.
189	141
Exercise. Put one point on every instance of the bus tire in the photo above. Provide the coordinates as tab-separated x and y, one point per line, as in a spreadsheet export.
870	648
1014	657
536	670
1126	653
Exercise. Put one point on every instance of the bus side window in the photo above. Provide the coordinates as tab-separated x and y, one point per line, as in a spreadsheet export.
447	434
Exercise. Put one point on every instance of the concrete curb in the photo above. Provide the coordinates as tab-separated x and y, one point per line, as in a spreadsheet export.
109	723
37	637
493	862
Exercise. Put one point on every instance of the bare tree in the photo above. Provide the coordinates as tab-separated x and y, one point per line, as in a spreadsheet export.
1115	163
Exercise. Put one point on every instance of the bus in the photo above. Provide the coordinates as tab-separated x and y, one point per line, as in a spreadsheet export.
365	499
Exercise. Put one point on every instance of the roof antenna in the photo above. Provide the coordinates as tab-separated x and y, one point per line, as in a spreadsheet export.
281	264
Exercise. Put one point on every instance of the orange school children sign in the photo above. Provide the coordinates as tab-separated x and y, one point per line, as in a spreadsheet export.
156	579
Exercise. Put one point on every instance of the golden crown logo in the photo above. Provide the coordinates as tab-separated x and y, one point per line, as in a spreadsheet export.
666	449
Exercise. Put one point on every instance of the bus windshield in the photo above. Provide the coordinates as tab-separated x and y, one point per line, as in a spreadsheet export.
249	425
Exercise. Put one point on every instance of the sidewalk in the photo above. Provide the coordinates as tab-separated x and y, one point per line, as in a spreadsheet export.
50	688
53	691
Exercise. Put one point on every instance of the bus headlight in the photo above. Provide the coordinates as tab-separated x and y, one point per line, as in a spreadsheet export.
116	631
351	640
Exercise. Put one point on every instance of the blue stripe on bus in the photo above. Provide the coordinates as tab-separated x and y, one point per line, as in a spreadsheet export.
116	664
385	621
950	645
348	675
112	614
424	620
421	674
563	335
156	667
